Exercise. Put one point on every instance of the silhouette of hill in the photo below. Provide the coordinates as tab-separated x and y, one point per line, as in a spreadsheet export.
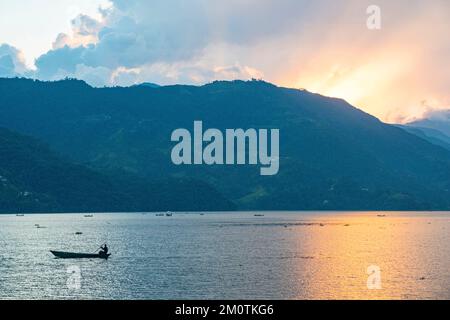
332	155
148	85
34	179
432	135
437	120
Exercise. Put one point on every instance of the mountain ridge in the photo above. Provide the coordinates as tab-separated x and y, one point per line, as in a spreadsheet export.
35	179
434	127
333	156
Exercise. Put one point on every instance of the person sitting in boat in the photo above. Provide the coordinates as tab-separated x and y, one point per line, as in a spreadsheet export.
104	250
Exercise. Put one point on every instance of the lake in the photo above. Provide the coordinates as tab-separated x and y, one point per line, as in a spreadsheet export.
281	255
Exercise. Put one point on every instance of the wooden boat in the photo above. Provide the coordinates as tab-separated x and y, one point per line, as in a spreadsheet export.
73	255
88	215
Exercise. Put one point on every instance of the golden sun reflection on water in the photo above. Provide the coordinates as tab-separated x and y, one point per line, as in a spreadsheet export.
406	249
241	255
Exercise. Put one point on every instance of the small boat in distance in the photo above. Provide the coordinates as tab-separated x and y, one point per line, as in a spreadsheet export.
159	214
168	214
78	232
258	215
74	255
20	215
88	215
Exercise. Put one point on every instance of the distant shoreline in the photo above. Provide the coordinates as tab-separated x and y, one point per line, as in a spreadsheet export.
223	212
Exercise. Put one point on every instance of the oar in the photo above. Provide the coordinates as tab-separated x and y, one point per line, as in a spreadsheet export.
99	248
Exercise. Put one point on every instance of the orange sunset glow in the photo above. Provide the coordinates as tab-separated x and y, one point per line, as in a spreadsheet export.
397	72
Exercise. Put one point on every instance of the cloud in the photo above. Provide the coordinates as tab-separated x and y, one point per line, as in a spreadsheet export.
12	62
141	41
323	46
63	60
194	73
6	66
95	76
162	35
126	38
438	115
435	119
84	32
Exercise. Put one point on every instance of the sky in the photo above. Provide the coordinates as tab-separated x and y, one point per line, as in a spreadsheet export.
398	72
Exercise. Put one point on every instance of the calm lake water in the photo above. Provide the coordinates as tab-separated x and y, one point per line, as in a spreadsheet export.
281	255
